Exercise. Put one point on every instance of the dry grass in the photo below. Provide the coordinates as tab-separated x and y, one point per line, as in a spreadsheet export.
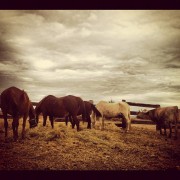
63	148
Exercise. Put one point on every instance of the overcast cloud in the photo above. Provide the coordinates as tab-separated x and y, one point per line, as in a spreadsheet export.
98	55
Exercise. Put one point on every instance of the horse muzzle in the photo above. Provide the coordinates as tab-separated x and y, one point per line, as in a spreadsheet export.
33	123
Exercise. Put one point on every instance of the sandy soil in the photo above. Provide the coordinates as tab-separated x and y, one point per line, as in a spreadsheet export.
63	148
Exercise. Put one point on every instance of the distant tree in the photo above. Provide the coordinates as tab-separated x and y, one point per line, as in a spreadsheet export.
111	101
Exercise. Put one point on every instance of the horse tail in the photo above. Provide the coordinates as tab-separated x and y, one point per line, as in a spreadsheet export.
124	121
176	122
177	115
98	114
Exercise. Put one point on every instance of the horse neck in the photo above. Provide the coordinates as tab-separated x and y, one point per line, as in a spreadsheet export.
31	112
152	115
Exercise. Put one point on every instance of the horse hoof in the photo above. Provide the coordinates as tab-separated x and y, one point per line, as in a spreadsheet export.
6	140
15	140
80	129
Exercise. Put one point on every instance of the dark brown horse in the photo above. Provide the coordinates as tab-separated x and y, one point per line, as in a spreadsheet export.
16	103
60	107
89	107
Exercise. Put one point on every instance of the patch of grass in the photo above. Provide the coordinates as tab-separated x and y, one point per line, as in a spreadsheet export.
33	134
51	136
63	148
2	131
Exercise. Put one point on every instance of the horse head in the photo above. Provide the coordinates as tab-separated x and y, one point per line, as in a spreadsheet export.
142	114
32	118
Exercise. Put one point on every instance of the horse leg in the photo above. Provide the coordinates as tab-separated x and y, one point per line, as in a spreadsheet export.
44	119
89	121
176	126
66	120
52	121
76	121
128	125
160	130
176	131
15	125
165	131
70	119
72	122
93	119
5	124
23	126
129	121
102	123
37	118
170	129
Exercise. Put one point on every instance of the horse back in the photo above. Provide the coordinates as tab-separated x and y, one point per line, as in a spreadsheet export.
48	105
108	109
15	101
74	105
165	114
45	103
71	103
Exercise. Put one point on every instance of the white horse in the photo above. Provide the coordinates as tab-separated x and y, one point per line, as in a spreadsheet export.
110	110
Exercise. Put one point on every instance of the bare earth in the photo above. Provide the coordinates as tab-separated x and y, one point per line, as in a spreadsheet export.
63	148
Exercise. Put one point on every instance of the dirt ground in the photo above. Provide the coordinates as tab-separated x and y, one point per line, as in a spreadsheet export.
63	148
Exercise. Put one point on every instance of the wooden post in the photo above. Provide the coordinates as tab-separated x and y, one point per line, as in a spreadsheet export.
142	104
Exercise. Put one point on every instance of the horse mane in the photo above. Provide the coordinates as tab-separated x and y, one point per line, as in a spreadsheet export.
38	106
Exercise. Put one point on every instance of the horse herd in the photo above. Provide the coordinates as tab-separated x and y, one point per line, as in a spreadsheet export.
17	103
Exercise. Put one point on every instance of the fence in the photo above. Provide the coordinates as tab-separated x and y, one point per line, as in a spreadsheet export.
141	121
141	105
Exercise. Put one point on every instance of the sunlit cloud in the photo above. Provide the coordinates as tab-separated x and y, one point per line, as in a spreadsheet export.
99	55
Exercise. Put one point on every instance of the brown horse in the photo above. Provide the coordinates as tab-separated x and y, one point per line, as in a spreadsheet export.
89	107
16	103
60	107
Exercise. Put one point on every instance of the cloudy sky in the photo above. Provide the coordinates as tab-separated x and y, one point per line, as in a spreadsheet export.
98	55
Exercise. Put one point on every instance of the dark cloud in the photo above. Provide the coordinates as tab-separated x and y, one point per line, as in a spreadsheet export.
173	66
174	88
8	80
131	55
